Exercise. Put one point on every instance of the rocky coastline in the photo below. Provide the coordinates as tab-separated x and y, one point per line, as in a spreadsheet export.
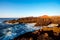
39	35
40	21
50	28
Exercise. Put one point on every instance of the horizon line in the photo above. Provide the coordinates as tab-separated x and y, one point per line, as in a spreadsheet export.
28	16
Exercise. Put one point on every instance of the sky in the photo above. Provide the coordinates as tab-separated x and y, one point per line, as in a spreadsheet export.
25	8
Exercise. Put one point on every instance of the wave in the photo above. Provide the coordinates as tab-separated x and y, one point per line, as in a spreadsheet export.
8	32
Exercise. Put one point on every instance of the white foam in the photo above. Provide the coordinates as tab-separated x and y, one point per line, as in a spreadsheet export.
9	33
0	22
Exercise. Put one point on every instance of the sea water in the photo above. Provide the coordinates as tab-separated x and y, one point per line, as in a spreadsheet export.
9	32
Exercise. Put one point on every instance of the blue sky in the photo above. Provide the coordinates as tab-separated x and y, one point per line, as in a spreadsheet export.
23	8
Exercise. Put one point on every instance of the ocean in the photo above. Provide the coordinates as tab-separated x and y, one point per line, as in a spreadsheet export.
9	32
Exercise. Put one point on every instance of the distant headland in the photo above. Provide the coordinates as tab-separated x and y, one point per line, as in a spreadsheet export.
40	21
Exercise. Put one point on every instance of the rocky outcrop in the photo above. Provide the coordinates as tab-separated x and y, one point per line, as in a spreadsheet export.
39	35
